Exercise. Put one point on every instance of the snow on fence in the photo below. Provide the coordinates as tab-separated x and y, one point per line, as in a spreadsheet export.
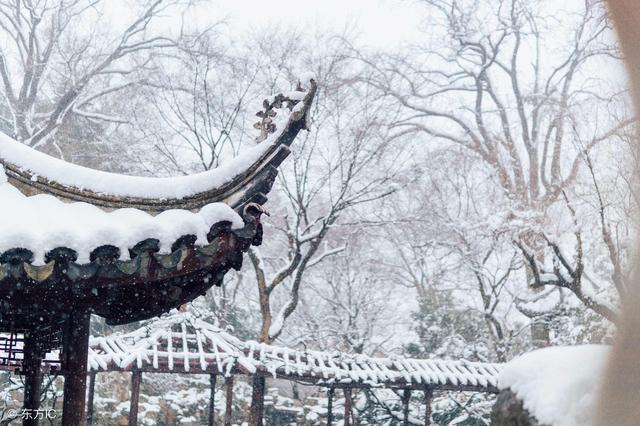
183	343
186	344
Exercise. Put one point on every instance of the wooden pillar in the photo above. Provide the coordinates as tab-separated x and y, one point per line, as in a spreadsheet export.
92	390
330	393
347	407
212	400
136	380
257	401
75	349
406	398
33	379
228	412
428	395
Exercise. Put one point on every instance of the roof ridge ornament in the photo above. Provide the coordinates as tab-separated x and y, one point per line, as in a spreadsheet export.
267	124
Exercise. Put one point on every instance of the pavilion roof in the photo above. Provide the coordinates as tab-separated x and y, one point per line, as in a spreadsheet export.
182	342
130	248
283	117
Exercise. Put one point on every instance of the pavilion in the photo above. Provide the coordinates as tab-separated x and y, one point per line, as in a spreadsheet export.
76	242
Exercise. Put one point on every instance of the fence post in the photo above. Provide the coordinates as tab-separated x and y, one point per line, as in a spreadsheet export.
428	395
347	407
136	379
330	393
406	398
229	402
257	401
212	400
92	391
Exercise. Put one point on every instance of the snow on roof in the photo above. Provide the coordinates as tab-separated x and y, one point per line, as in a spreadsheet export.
41	223
557	385
182	343
41	165
38	166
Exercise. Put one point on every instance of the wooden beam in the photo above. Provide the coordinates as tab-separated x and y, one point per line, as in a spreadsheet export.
212	400
75	348
228	412
257	401
347	407
428	395
33	379
136	380
92	391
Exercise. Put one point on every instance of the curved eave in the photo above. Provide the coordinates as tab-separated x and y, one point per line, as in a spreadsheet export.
35	296
121	291
250	185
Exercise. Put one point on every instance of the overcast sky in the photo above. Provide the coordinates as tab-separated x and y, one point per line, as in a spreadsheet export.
382	23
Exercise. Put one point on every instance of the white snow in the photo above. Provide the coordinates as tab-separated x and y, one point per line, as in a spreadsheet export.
278	323
190	341
558	385
41	223
306	77
72	175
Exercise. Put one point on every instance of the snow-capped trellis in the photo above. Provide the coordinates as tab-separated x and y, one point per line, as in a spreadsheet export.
183	343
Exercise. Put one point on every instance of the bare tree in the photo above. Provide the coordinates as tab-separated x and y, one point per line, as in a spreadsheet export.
346	161
447	251
601	212
201	111
347	304
505	89
328	178
57	61
475	91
